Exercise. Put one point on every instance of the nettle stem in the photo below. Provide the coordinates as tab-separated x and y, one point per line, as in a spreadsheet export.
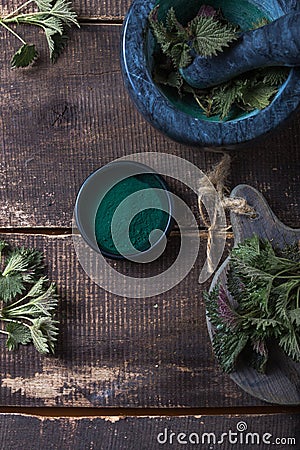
15	34
4	332
18	321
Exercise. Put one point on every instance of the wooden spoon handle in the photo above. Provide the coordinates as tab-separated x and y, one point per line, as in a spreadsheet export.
275	44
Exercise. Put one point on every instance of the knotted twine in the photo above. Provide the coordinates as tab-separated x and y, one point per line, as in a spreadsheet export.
217	179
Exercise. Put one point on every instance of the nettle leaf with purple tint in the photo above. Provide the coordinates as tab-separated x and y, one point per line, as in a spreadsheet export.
260	305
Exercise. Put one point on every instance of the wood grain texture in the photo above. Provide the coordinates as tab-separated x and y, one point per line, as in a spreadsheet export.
94	9
144	433
59	123
120	352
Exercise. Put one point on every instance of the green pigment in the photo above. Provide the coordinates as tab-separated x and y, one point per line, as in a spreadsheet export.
141	225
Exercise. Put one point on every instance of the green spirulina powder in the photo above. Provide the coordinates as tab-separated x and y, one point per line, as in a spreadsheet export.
141	224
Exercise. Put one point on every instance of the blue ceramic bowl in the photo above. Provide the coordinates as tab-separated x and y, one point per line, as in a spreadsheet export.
179	118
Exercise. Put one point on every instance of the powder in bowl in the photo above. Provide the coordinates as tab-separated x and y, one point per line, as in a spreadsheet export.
142	224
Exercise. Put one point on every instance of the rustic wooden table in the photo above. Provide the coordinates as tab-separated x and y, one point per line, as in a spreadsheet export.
115	356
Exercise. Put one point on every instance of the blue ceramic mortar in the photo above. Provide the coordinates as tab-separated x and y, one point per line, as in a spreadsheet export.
179	118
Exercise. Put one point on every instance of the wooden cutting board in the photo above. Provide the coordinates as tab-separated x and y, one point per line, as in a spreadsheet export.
281	384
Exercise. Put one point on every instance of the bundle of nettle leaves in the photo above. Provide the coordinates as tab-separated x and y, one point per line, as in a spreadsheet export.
27	300
54	17
207	35
260	307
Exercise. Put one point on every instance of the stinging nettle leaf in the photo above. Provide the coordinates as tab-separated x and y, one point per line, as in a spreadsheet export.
294	316
59	44
172	23
24	56
11	286
39	340
265	288
291	345
44	5
275	75
259	96
207	35
18	334
44	332
30	316
25	260
210	36
181	55
63	10
260	23
54	17
53	24
228	348
224	99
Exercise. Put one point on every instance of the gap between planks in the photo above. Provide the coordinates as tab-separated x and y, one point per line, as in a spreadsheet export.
65	232
100	21
81	412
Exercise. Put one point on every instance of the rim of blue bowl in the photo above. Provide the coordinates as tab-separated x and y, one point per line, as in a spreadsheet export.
181	126
106	253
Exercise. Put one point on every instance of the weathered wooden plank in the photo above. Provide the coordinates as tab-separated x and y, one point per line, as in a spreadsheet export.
59	128
59	123
147	433
101	10
115	351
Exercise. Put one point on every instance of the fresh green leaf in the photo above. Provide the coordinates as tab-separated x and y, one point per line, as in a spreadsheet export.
171	37
44	5
294	316
21	266
210	36
39	339
261	302
24	56
260	23
259	96
207	35
59	44
49	329
44	333
228	347
28	301
290	343
181	55
274	76
11	286
172	79
173	26
54	17
18	334
224	98
62	9
24	260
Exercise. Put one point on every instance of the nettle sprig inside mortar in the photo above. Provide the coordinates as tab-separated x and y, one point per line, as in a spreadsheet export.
54	17
208	34
27	300
260	305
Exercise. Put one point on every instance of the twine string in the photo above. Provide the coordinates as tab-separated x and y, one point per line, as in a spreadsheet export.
217	178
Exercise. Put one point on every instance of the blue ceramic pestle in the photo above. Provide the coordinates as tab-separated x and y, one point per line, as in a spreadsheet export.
275	44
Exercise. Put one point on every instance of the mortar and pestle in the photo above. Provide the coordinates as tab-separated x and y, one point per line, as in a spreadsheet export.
275	44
